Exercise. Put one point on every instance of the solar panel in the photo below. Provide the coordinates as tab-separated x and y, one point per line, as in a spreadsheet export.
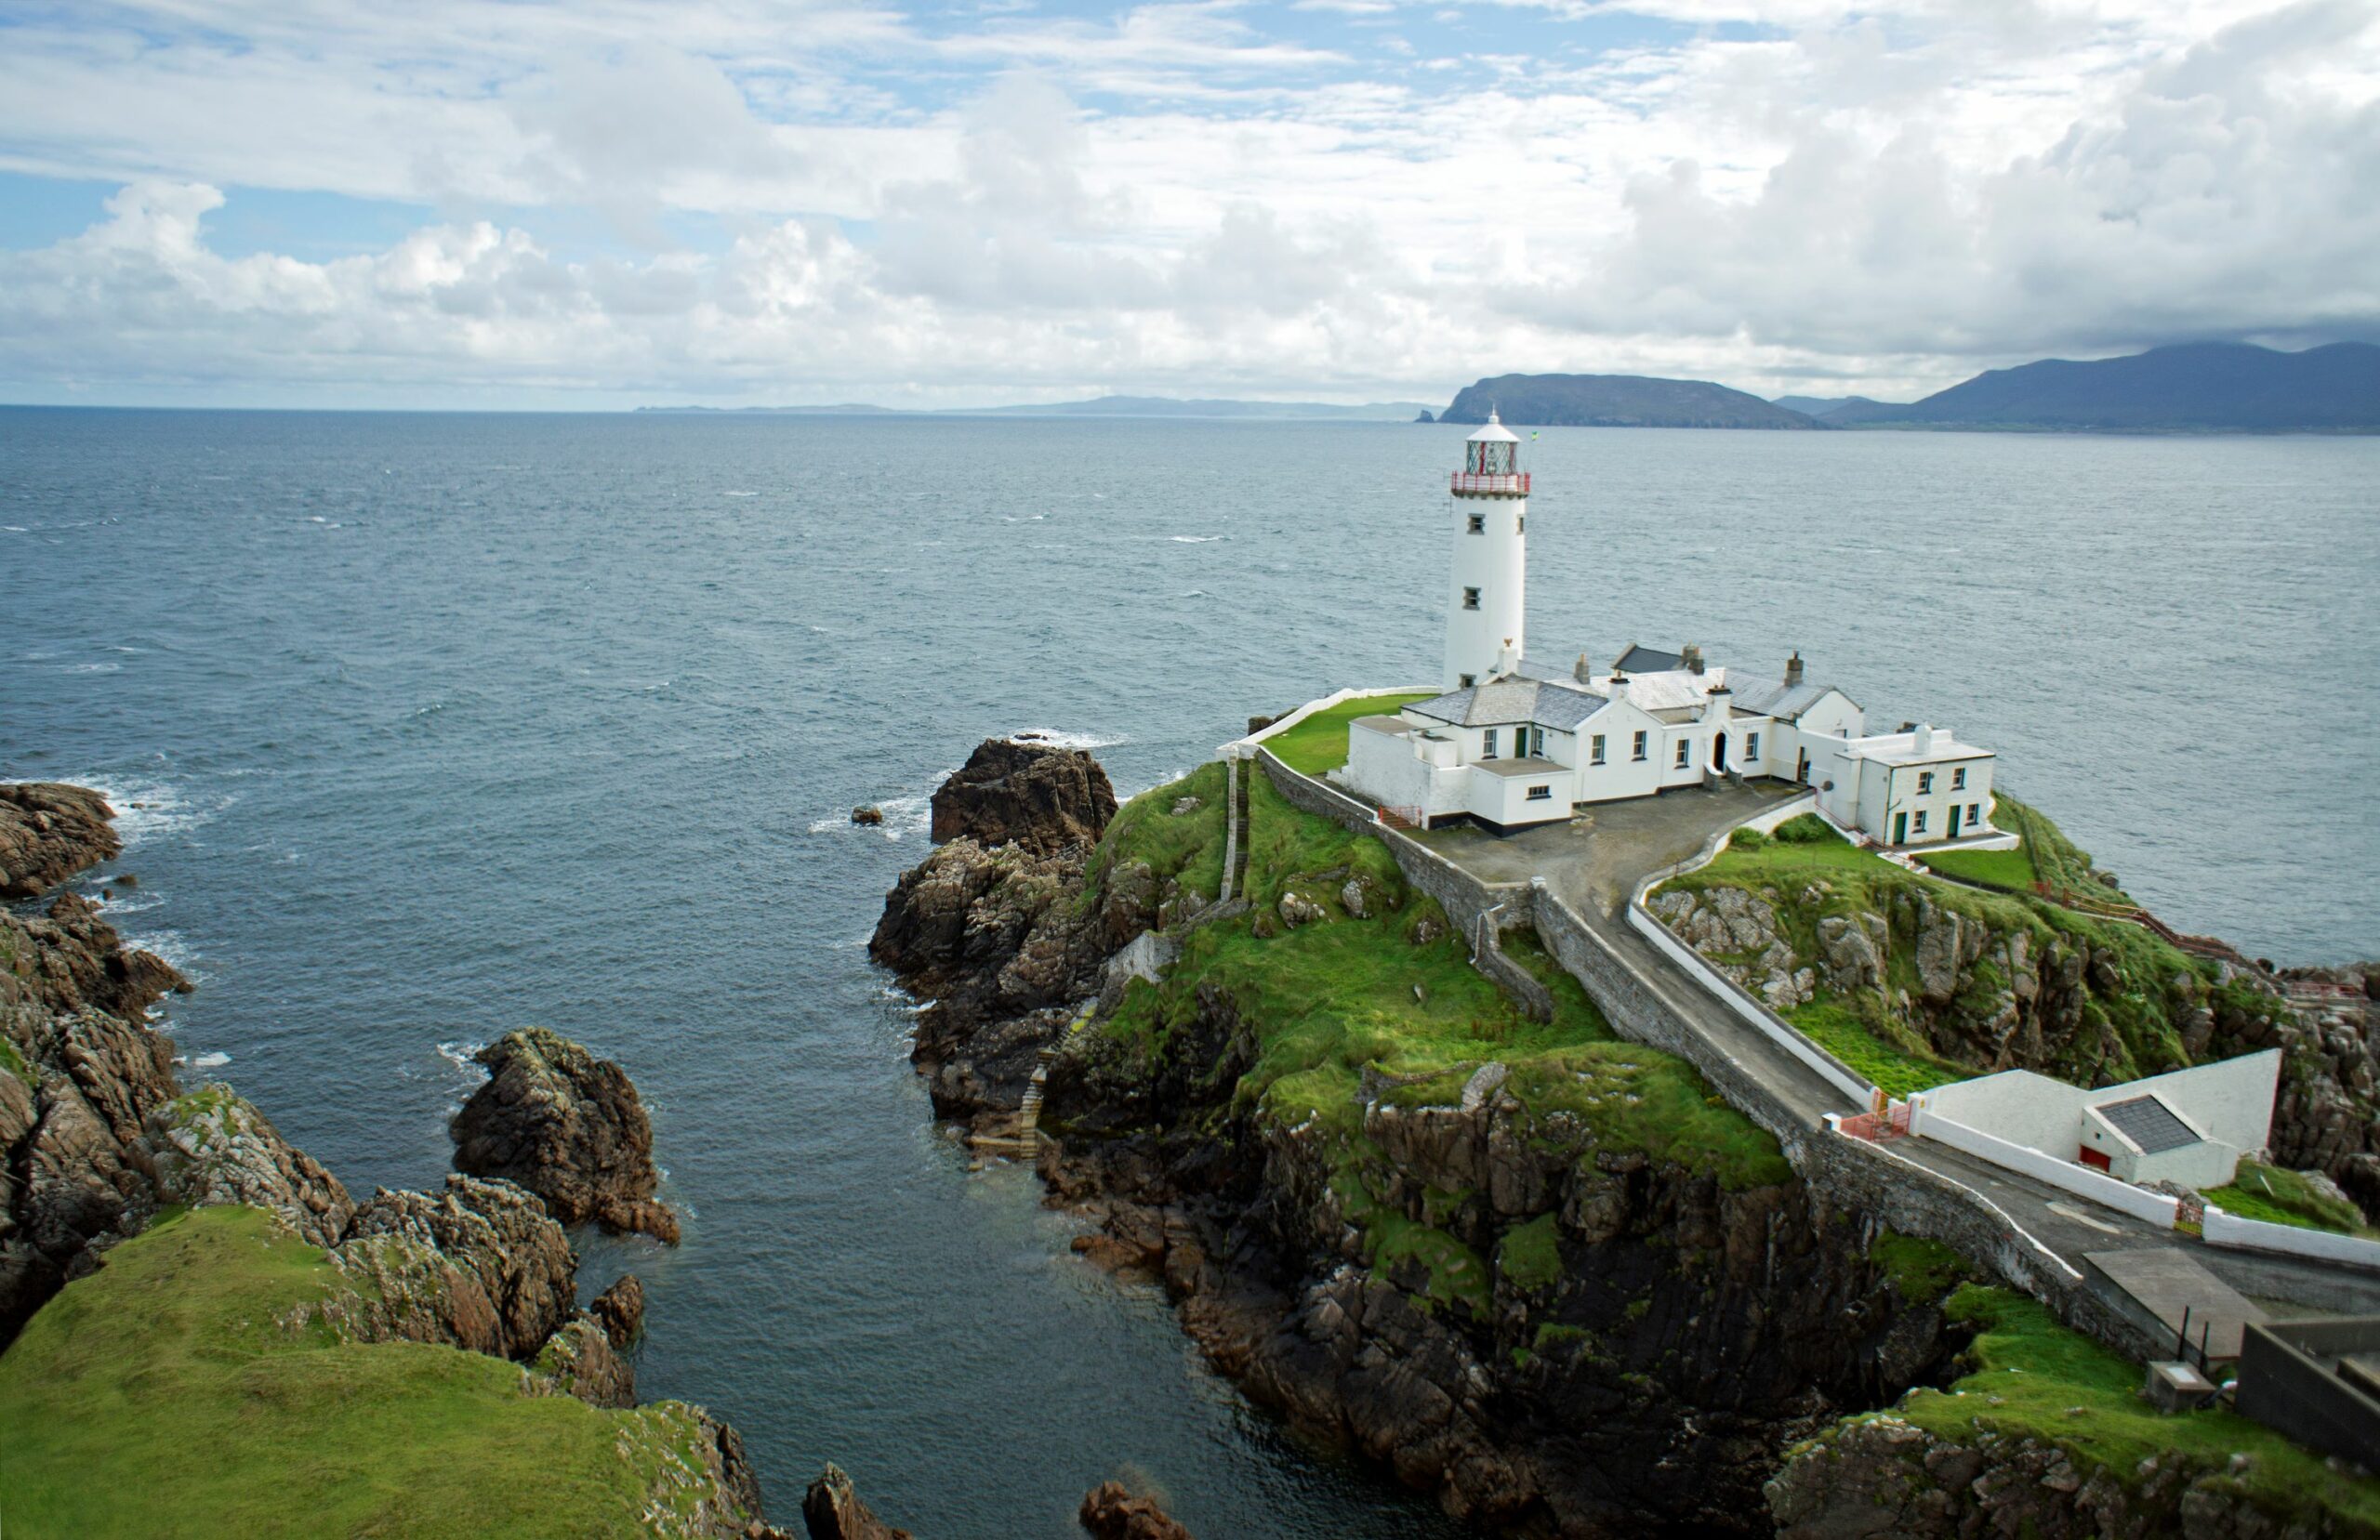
2150	1124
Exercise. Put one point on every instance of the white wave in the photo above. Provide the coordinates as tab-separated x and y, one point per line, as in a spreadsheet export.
1197	539
317	519
145	809
93	667
16	529
1196	593
172	946
210	1061
1055	739
739	494
130	902
460	1054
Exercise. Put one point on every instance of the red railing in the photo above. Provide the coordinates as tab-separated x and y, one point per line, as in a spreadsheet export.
1509	484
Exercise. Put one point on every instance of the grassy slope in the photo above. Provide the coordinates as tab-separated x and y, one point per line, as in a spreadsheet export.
1319	743
157	1397
1863	1033
2280	1196
1188	848
2033	1379
1329	999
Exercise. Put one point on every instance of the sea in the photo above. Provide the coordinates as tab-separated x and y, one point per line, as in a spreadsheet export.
428	727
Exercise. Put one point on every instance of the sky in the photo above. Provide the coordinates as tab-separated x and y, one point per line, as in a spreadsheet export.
609	202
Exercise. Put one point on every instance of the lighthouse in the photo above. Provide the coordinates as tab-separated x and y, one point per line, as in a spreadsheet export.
1489	496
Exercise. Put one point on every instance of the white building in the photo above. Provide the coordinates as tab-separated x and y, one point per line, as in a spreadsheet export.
1513	743
2190	1126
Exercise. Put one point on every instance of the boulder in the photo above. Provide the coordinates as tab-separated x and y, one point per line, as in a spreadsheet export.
214	1147
620	1310
49	831
1111	1512
568	1126
1032	795
1297	909
832	1510
869	816
579	1360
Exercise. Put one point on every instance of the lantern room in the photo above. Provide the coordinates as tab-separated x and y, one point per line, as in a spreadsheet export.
1491	464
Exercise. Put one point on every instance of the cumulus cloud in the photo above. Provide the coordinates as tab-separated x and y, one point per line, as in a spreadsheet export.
1188	198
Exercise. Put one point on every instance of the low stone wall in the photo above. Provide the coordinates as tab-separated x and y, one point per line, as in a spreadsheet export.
1527	991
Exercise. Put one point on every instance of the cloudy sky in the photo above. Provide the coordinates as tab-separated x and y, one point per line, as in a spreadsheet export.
606	203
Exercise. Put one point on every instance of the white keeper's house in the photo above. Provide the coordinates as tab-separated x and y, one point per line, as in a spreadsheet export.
1513	743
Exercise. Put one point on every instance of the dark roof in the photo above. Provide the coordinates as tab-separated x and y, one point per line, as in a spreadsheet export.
2149	1122
1641	659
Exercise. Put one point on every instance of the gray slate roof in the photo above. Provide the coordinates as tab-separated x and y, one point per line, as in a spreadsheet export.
2149	1122
1641	659
1512	698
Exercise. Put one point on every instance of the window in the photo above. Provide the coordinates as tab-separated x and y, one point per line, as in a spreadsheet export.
1925	784
1685	752
1752	747
1520	525
1974	814
1921	820
1487	748
1541	793
1537	741
1479	523
1594	749
1470	598
1959	779
1468	680
1640	746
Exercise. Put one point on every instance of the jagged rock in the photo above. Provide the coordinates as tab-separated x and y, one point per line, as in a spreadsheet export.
71	959
49	831
831	1509
579	1360
1853	951
869	816
1185	805
480	1265
1296	909
214	1147
1043	799
1111	1512
620	1311
568	1126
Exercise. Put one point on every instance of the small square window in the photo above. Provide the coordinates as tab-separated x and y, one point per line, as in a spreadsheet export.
1470	598
1685	752
1925	784
1479	523
1541	793
1594	749
1640	746
1959	779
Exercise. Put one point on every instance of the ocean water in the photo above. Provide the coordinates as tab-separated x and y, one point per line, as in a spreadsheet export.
427	727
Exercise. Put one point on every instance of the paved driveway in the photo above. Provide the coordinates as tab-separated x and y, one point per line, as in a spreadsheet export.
1594	861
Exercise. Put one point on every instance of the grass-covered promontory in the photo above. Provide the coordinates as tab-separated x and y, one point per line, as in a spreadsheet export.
166	1395
1319	743
1381	984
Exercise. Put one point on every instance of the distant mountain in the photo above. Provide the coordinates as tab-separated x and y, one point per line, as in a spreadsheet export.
1104	406
1811	406
1853	410
2190	387
1617	400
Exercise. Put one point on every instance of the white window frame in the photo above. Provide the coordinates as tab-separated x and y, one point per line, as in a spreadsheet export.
1538	793
1488	744
1918	827
1643	750
1924	782
1959	779
1594	749
1685	760
1751	747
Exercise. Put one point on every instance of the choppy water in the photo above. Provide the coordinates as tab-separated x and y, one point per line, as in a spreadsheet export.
447	724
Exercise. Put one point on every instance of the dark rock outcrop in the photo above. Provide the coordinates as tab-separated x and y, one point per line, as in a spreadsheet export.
567	1126
579	1360
49	831
1111	1512
832	1510
71	958
214	1147
480	1265
1033	795
620	1311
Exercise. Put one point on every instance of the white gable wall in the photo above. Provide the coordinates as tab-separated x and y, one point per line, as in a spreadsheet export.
2016	1105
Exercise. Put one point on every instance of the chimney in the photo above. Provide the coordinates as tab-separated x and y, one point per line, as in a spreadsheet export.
1794	669
1619	687
1581	672
1715	702
1691	656
1922	738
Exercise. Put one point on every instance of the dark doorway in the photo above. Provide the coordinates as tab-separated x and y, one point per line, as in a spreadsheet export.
1801	772
1901	828
1719	754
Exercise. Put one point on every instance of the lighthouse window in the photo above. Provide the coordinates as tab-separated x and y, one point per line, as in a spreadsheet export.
1594	749
1479	523
1685	752
1470	598
1520	524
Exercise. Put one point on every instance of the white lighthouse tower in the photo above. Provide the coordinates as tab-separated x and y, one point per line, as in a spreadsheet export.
1484	596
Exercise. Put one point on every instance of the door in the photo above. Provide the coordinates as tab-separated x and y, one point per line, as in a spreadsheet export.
1719	754
1955	811
1802	773
1901	828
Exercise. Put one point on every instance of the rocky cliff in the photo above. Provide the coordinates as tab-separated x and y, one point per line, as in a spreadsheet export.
268	1252
569	1127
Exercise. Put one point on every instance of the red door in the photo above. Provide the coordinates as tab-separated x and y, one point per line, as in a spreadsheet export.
2095	1159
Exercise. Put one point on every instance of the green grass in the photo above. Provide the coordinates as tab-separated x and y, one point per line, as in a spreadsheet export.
1898	1070
159	1396
1188	847
1319	743
1528	1257
2280	1196
1923	1270
2061	863
2032	1377
12	1062
2011	870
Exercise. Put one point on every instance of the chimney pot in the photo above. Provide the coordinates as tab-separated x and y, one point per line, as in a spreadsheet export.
1581	672
1794	669
1692	656
1618	685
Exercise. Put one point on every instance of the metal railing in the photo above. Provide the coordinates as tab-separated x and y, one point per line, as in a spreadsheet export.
1514	484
